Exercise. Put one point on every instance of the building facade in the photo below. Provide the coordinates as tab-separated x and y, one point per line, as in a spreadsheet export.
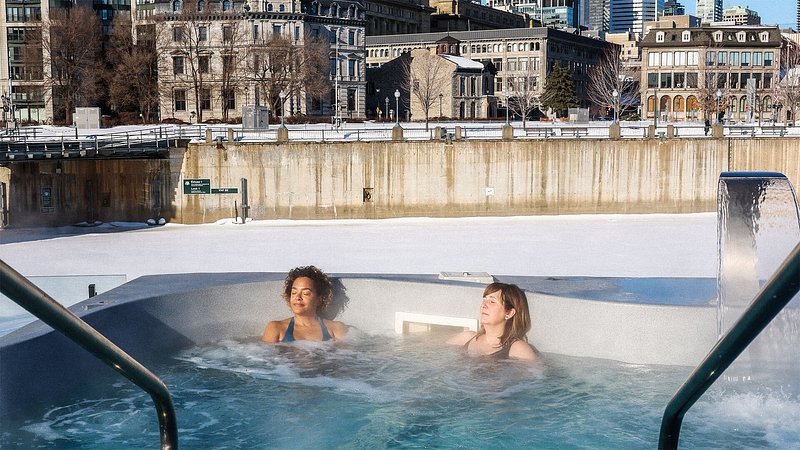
234	58
397	17
551	13
698	73
464	15
709	10
740	15
630	15
516	54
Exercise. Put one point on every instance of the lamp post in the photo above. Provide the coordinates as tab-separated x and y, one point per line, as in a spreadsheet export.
440	105
719	96
397	106
246	95
615	94
386	110
505	94
282	95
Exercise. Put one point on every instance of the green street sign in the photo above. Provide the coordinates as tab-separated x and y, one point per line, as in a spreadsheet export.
224	190
197	186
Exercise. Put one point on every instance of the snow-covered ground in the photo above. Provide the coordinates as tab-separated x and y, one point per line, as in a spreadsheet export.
590	245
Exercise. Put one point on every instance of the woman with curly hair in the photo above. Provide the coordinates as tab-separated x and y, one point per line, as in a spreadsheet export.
505	322
308	292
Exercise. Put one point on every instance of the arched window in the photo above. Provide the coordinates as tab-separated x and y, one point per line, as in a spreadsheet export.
201	5
281	7
176	5
226	5
743	104
732	103
269	7
766	103
650	103
691	104
664	104
678	104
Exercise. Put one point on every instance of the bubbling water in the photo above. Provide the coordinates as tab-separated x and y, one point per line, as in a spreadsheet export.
379	391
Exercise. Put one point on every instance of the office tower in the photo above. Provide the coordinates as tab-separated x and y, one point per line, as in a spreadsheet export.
630	15
709	10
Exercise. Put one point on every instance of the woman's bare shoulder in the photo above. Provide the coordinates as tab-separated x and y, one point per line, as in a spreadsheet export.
274	329
461	338
522	350
338	329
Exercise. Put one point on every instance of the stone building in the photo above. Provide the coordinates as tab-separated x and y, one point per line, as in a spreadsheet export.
514	53
223	56
398	17
697	73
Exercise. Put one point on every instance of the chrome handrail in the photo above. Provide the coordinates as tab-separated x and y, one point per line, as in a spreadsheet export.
770	300
37	302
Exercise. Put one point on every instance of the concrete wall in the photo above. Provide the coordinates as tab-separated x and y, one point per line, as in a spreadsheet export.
49	193
327	180
420	178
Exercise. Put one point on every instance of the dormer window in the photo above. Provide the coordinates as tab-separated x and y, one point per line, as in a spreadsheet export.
718	36
764	36
660	36
686	36
741	36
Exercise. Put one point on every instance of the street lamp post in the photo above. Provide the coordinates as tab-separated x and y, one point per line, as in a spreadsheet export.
246	95
440	105
386	110
615	94
282	95
719	96
397	106
505	94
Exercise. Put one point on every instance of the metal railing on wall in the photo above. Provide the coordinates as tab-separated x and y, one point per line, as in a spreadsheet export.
770	300
37	302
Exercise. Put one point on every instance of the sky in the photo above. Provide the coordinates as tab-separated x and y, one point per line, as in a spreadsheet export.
781	12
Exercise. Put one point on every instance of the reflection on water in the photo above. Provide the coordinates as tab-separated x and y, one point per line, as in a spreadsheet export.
374	391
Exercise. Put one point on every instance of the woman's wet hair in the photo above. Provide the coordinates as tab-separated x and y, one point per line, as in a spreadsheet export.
322	285
513	297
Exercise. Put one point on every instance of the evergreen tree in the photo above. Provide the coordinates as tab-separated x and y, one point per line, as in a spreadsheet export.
559	91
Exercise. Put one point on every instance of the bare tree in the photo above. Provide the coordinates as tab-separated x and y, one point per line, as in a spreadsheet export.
71	50
788	88
525	93
426	76
299	69
133	82
612	74
233	59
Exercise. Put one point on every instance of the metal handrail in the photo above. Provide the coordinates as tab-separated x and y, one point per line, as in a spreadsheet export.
770	300
37	302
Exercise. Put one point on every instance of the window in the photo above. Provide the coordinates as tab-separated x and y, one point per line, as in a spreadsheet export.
332	36
710	56
352	68
205	99
177	65
680	58
203	63
256	62
734	58
333	67
654	59
734	81
757	58
281	7
740	36
666	59
745	59
692	58
227	33
269	7
276	30
718	36
767	81
227	64
296	33
764	36
229	97
722	58
660	36
691	80
666	80
757	78
686	36
255	31
180	100
768	59
177	34
351	99
743	77
226	5
652	80
721	79
202	34
680	80
351	37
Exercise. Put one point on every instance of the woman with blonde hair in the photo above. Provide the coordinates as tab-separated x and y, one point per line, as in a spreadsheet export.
504	324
